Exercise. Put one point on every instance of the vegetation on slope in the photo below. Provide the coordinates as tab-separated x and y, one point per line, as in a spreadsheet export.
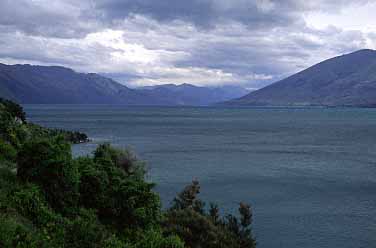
15	128
50	199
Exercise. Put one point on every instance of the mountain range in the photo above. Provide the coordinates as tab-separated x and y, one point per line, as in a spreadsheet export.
347	80
31	84
187	94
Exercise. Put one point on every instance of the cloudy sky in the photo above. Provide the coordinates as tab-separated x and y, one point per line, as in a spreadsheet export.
203	42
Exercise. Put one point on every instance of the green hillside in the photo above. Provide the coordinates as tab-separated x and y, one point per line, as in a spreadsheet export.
50	199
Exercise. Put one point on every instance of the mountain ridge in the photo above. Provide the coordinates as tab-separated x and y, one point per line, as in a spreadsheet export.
56	84
61	85
346	80
188	94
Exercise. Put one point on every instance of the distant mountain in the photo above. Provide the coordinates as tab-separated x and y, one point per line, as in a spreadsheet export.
187	94
54	84
60	85
347	80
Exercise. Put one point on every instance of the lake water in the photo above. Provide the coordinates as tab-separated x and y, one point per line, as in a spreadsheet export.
310	174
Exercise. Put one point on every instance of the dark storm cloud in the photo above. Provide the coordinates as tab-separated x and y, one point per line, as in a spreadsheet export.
70	18
195	10
64	19
254	14
203	13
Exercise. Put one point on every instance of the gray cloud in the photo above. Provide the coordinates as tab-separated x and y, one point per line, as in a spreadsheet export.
255	14
59	18
201	41
69	18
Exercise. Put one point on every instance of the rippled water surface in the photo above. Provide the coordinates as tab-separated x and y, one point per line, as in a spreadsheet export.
310	174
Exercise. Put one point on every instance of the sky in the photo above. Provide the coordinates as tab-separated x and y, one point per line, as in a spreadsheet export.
250	43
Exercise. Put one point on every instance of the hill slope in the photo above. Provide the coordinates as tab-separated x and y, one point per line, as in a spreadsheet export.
348	80
59	85
48	198
53	84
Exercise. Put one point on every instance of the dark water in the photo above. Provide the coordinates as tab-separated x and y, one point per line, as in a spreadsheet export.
310	174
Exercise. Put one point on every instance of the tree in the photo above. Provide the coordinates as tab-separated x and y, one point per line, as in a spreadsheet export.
54	200
11	131
48	163
113	183
125	160
214	213
241	228
187	218
188	198
155	239
7	151
246	239
14	109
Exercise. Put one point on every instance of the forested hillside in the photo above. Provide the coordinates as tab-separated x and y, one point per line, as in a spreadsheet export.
50	199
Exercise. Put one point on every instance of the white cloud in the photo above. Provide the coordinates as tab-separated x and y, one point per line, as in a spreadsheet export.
359	17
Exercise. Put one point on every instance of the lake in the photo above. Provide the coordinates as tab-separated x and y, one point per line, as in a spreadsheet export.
309	173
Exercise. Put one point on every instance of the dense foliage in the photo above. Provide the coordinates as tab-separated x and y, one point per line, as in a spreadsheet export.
74	137
200	228
50	199
13	109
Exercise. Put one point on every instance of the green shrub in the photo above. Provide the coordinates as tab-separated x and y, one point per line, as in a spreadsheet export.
69	136
11	131
14	109
197	230
30	202
125	160
123	199
7	152
48	163
84	231
94	184
52	200
188	199
15	234
155	239
187	219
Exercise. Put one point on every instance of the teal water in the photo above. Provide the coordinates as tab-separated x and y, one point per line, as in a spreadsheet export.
310	174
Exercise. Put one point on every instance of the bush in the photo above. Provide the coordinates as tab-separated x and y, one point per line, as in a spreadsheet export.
48	163
16	234
14	109
94	184
11	131
123	198
29	201
85	231
155	239
187	218
188	199
53	200
7	152
125	160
